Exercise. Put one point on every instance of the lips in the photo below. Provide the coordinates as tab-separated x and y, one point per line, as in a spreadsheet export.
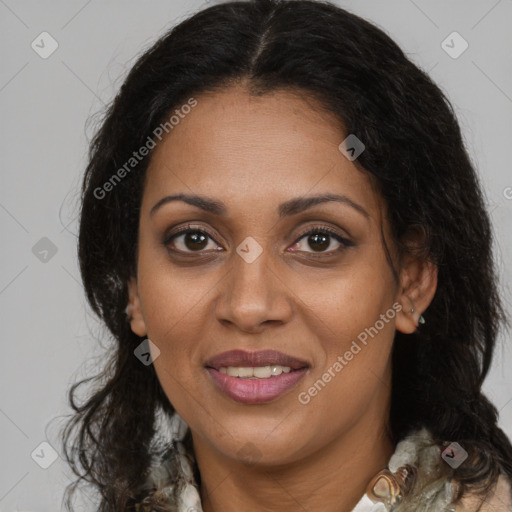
255	390
255	359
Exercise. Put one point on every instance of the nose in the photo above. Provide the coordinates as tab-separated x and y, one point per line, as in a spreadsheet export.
254	295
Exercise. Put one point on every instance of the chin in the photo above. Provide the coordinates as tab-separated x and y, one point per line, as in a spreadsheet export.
261	441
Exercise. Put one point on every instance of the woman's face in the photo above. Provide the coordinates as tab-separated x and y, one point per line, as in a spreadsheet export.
253	282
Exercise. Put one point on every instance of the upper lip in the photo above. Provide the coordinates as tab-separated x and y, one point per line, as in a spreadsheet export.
243	358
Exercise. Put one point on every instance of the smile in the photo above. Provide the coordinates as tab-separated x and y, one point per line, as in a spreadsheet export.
259	372
256	390
255	377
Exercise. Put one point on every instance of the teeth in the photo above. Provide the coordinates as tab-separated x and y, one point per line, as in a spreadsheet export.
259	372
244	372
262	372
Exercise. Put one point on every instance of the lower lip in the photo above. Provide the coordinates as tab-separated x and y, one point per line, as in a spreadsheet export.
256	391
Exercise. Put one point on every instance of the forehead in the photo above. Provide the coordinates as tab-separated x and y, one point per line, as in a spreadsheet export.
267	148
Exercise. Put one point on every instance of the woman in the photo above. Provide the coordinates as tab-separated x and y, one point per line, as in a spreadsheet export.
284	234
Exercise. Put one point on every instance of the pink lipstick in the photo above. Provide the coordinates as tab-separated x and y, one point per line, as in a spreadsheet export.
255	377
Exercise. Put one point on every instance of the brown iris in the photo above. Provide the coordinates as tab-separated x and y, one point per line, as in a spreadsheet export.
195	241
320	241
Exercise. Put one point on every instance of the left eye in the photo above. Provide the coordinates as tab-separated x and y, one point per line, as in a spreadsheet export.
320	240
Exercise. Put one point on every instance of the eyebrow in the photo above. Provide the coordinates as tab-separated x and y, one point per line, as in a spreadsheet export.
286	209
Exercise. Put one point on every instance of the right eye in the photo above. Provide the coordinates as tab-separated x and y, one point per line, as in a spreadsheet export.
189	240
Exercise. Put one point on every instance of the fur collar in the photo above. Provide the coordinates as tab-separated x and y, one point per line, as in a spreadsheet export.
171	485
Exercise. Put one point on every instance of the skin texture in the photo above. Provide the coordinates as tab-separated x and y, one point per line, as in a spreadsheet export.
253	153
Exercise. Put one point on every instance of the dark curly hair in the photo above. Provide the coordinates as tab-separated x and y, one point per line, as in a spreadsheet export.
414	152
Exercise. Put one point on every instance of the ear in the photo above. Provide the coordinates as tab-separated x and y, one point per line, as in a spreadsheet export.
418	284
134	310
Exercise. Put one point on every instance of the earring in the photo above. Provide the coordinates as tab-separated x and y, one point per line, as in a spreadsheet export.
421	320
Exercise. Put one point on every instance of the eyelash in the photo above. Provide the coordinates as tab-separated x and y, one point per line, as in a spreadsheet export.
345	243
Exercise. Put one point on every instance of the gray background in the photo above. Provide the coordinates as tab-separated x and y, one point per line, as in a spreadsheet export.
45	104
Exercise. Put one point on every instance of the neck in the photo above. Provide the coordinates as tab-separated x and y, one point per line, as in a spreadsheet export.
332	480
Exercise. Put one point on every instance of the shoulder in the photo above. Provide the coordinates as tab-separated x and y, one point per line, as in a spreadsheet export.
499	499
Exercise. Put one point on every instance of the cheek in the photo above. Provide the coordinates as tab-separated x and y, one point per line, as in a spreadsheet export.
349	302
335	401
354	318
175	311
174	325
353	375
172	297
